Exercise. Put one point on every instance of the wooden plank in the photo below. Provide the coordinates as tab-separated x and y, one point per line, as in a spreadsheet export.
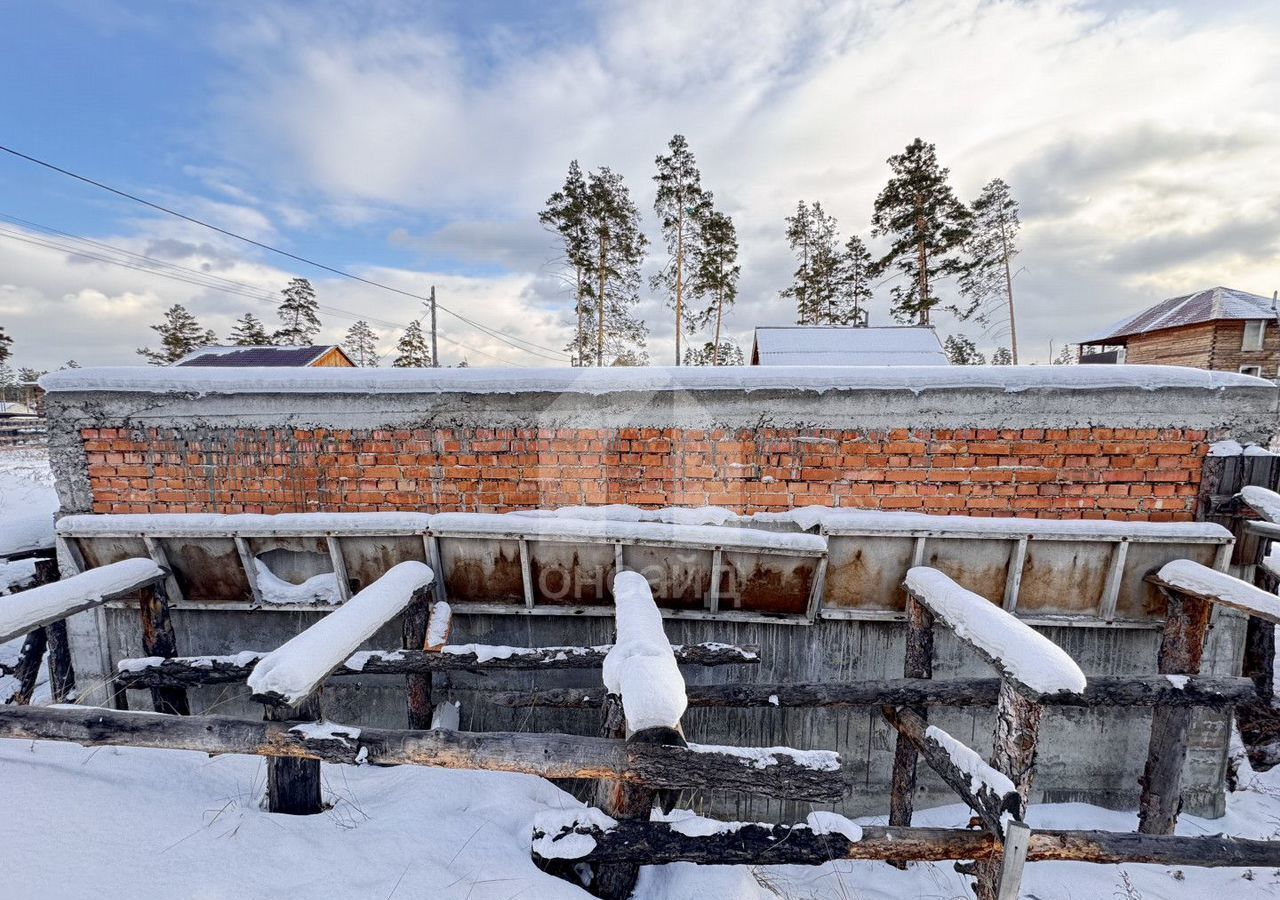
917	663
1115	573
526	574
248	562
1017	840
431	545
158	639
1013	580
339	564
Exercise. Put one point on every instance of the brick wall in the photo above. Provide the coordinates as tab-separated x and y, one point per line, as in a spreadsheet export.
1127	473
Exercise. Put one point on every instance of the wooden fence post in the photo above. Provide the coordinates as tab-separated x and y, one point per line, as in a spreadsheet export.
37	641
158	639
62	676
421	622
1181	649
918	663
293	785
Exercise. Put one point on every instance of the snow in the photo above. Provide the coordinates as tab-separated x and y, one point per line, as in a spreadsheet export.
765	757
244	524
1225	448
439	623
809	345
646	379
327	731
969	762
823	822
641	667
28	501
320	589
1264	502
558	839
15	576
142	663
1194	578
47	603
841	521
295	669
1020	652
622	512
554	528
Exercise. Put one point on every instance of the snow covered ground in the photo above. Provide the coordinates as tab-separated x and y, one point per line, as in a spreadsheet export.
155	824
26	499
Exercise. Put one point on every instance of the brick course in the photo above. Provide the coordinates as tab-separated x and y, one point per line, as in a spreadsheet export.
1120	473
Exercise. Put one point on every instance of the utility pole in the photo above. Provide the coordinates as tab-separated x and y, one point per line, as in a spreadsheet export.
435	355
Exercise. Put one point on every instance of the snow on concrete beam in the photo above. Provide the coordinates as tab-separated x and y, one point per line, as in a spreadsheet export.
1203	583
39	606
291	673
1030	660
640	667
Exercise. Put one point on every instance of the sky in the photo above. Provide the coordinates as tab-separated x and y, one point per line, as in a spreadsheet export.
413	144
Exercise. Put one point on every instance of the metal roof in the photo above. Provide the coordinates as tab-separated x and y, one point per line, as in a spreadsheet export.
843	345
235	357
1210	305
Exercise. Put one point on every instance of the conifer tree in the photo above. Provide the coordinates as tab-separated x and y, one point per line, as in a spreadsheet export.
298	315
1002	357
6	347
249	332
854	285
361	344
681	204
69	364
725	353
987	282
566	215
927	225
815	287
180	333
962	352
617	252
714	278
1067	356
412	351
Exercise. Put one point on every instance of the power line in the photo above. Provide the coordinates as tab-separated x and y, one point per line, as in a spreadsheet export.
505	337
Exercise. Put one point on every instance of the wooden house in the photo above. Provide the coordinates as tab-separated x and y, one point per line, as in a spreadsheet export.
318	356
1218	328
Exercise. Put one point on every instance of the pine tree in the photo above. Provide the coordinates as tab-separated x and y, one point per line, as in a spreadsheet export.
613	272
714	278
566	215
361	344
928	226
1002	357
987	281
725	353
412	351
1067	356
962	352
681	204
6	347
249	332
816	243
854	285
298	313
69	364
180	333
28	375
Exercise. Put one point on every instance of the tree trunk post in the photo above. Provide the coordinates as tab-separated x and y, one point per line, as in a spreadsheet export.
1181	650
158	639
918	663
27	669
62	676
417	617
293	785
1013	754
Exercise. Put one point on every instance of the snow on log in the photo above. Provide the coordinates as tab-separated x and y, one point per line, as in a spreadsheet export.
749	843
26	535
640	668
1023	655
291	673
1204	583
30	609
547	755
1262	501
156	671
1211	691
439	624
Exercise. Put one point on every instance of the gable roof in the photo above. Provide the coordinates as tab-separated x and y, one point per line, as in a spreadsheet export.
1210	305
846	345
234	357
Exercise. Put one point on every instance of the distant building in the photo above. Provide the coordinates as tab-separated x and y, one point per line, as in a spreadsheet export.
1218	328
323	356
846	345
9	411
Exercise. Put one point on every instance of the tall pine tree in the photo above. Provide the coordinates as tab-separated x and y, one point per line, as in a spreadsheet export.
724	353
566	215
412	351
715	274
815	287
681	204
927	225
614	271
854	291
180	333
987	282
361	344
962	352
6	347
298	314
249	332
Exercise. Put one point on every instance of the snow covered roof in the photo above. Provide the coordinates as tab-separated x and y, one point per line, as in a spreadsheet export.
840	345
15	409
262	356
1211	305
646	379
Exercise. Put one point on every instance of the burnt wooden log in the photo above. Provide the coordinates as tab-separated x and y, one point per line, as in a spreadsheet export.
202	670
62	675
27	668
426	626
293	783
917	663
774	772
158	639
1144	691
1181	650
656	843
987	801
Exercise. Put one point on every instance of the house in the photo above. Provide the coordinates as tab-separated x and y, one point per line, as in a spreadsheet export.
320	356
12	411
1218	328
846	345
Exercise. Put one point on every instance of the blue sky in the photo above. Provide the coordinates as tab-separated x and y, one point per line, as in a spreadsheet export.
415	142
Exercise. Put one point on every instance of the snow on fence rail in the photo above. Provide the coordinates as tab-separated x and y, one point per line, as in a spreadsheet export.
48	603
